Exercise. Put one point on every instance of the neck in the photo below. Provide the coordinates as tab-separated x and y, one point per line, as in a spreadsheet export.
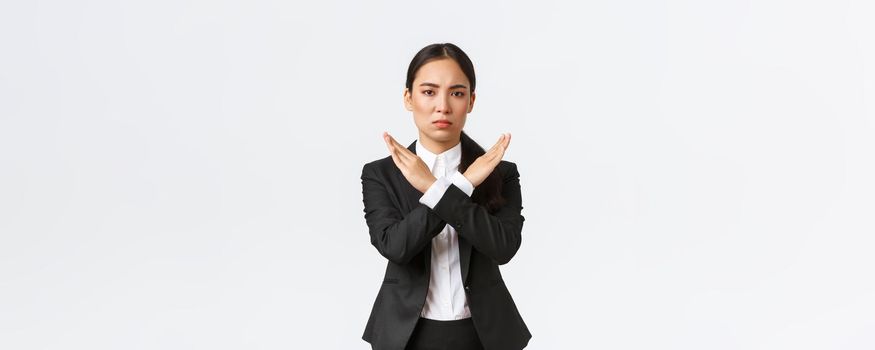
436	146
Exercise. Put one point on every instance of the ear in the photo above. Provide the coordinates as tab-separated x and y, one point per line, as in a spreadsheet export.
408	104
471	103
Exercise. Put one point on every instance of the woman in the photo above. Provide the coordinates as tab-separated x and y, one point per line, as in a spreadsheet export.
444	213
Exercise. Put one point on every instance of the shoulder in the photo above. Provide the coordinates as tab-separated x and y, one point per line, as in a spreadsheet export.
508	170
380	166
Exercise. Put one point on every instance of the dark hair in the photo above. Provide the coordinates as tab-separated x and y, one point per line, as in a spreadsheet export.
487	193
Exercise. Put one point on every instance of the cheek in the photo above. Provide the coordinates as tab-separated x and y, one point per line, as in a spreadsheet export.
421	114
461	105
419	108
420	104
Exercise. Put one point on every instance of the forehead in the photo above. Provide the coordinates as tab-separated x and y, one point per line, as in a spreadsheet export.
444	70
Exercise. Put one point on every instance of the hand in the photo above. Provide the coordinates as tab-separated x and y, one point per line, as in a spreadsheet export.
478	171
414	169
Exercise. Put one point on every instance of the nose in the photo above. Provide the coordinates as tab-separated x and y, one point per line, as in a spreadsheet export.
443	105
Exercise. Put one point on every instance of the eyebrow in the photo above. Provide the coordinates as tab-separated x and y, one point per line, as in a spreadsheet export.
437	86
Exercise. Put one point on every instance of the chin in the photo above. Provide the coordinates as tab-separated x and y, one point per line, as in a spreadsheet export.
447	135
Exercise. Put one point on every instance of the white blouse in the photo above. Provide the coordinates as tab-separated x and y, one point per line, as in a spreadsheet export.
446	298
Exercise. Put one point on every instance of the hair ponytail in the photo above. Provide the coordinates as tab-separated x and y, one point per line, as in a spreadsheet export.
488	193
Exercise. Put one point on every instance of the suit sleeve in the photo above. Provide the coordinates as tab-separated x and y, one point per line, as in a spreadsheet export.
397	237
496	235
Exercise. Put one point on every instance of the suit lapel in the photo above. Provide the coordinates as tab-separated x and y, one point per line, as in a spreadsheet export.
413	196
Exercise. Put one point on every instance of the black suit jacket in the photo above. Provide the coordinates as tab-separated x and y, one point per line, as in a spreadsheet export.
401	229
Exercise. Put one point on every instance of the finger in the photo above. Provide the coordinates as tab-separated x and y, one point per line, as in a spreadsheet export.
504	145
500	140
501	147
492	149
391	140
393	151
497	144
400	151
403	152
387	140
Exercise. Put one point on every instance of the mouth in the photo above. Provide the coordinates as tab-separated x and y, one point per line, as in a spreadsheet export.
442	124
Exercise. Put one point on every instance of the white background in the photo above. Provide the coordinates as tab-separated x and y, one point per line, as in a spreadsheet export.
185	174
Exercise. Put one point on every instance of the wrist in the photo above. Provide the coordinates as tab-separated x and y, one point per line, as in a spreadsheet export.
470	179
428	183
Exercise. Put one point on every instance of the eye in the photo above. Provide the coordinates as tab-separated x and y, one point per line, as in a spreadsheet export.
428	92
458	93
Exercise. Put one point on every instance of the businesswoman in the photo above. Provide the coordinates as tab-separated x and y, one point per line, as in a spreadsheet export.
445	213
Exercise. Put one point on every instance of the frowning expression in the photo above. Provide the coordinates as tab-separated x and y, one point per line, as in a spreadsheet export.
440	100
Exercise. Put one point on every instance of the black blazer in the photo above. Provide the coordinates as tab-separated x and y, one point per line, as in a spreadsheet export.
401	229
